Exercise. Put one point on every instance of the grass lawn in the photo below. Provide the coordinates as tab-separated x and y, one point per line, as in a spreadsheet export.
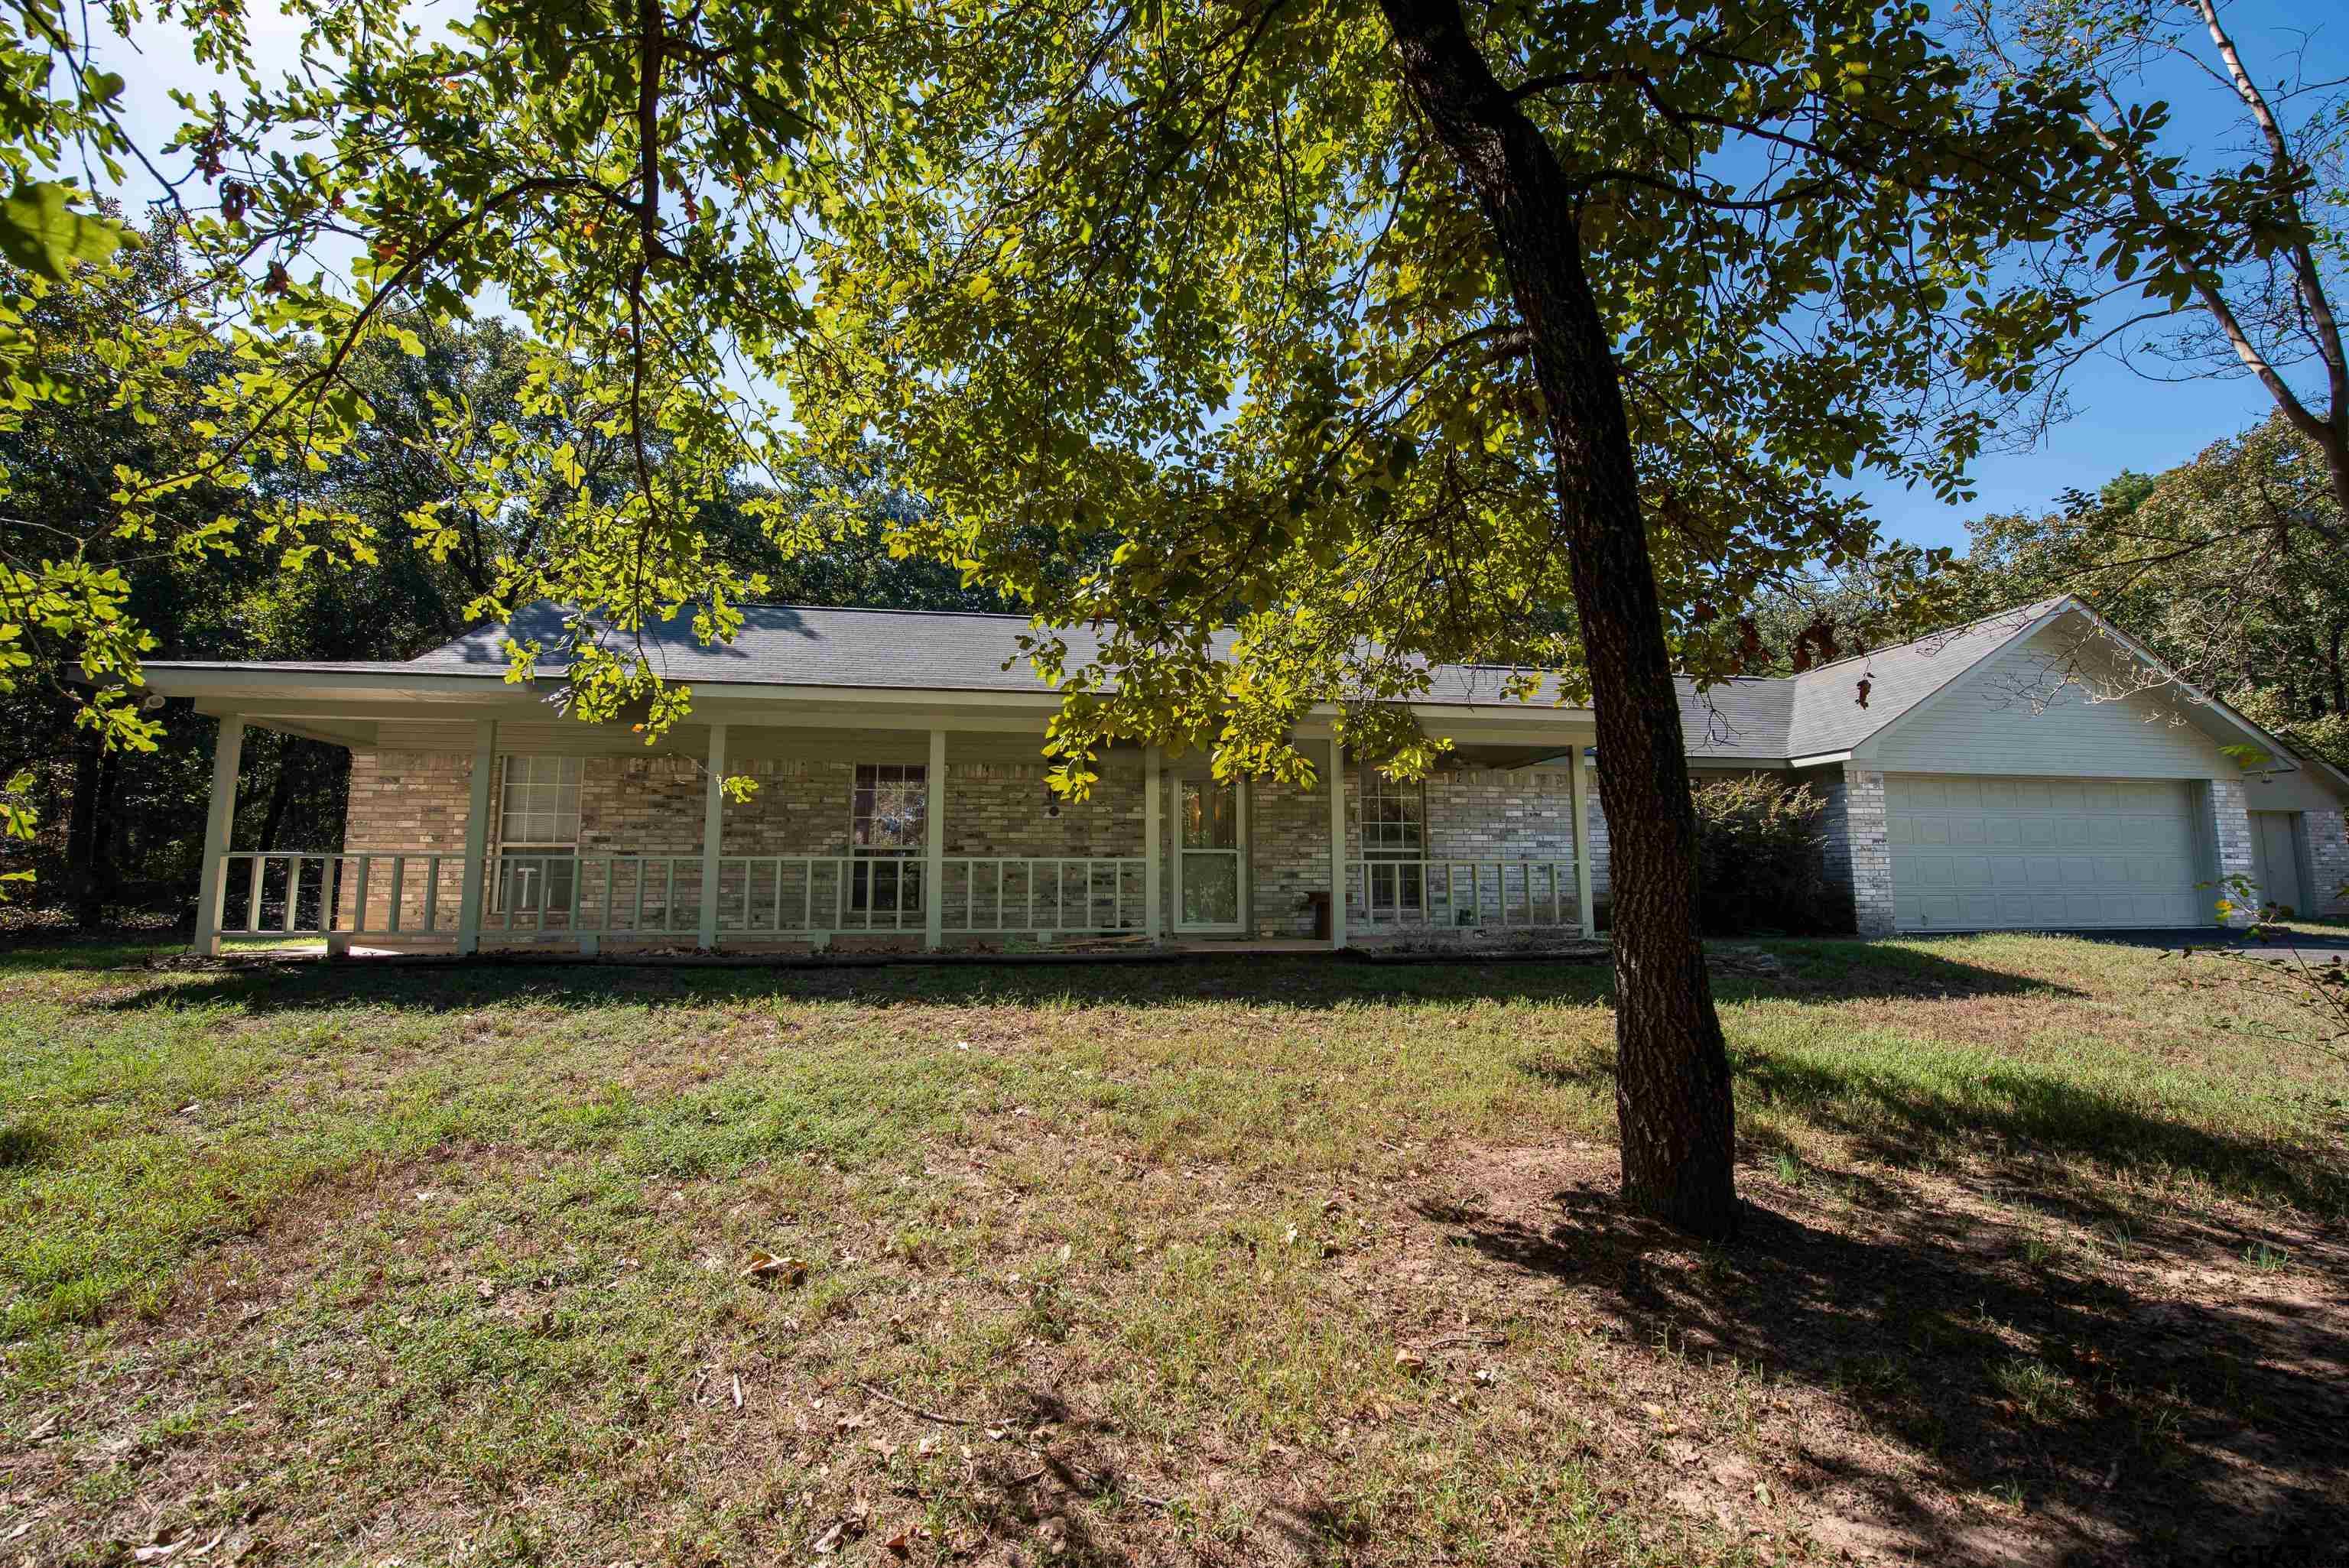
1280	1261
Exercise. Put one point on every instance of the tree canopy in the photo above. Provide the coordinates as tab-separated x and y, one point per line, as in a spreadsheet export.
1539	332
2233	567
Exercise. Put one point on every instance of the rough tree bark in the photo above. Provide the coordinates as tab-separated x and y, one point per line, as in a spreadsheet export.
1673	1086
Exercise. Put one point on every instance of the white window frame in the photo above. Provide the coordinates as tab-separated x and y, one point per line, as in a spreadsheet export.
909	858
571	770
1407	886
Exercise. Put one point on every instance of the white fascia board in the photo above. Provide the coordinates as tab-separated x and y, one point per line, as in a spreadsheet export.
259	689
1821	760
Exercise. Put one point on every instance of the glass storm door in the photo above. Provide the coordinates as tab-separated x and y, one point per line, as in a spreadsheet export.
1207	862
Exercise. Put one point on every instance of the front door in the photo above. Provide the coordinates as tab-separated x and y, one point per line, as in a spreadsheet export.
1210	856
2275	858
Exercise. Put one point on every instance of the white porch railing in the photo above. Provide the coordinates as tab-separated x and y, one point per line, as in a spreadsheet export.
1386	895
420	893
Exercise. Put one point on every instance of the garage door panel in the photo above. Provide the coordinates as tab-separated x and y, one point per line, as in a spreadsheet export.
1973	853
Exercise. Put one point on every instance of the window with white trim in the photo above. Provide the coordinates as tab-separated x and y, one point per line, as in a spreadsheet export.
1394	828
888	820
538	834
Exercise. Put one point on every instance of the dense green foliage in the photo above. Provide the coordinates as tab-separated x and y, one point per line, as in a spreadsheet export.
1759	861
120	825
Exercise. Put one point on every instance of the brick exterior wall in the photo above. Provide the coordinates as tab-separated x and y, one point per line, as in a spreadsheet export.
1490	813
653	807
1002	809
1288	840
406	800
1596	828
2230	833
1858	847
1472	813
2328	858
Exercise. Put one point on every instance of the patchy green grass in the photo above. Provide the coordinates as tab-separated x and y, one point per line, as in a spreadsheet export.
1285	1261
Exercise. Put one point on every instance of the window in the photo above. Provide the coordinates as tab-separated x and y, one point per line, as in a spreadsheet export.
1394	828
538	834
1394	818
888	820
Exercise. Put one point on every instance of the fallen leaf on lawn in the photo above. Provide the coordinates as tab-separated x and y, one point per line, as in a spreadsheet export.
738	1392
157	1553
486	1290
849	1423
766	1266
901	1543
1410	1360
824	1543
1289	1237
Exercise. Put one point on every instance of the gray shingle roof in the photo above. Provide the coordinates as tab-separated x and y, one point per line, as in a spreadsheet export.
920	650
1759	720
1826	716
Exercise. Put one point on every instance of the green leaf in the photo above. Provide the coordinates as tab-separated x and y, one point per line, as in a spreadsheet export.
41	232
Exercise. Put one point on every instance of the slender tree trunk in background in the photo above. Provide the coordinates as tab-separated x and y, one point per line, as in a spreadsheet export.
105	865
2340	676
1672	1084
281	795
83	833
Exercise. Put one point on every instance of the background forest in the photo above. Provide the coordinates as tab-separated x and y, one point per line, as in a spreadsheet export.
120	829
2233	565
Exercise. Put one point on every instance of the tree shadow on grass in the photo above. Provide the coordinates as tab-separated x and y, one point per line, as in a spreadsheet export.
2134	1427
1831	971
1310	981
2036	1119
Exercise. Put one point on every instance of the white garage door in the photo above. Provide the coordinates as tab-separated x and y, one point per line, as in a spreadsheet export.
1972	854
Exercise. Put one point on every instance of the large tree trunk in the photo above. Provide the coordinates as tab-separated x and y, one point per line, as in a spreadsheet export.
1672	1086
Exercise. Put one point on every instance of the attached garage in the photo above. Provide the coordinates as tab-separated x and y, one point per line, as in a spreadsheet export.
2034	770
2005	853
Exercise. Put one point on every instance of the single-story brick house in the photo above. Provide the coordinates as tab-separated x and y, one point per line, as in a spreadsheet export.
2033	769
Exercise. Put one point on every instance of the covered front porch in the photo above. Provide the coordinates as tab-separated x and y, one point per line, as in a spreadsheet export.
479	821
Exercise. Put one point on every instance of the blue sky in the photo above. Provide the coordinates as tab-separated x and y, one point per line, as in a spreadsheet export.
2120	420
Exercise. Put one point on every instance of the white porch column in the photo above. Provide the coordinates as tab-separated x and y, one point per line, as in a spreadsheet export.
713	837
477	838
934	846
1154	845
1581	793
1337	843
219	820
